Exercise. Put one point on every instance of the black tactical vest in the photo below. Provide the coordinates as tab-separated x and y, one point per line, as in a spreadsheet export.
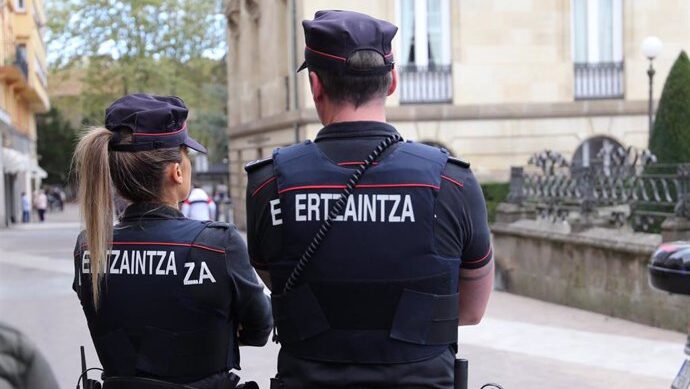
165	302
377	290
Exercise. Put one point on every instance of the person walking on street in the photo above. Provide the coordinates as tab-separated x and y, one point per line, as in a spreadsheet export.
375	249
168	300
41	204
58	198
26	208
199	205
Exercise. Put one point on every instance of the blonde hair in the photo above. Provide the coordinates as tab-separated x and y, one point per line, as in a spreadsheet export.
137	176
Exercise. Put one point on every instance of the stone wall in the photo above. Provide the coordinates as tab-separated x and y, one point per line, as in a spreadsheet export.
600	270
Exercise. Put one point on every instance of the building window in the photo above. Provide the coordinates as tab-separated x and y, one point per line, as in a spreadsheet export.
598	49
21	59
40	73
424	53
20	5
598	152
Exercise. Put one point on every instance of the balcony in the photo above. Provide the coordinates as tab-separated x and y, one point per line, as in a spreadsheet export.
603	80
15	67
431	84
30	83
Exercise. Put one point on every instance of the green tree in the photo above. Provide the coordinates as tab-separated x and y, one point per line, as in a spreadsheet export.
166	47
670	140
55	144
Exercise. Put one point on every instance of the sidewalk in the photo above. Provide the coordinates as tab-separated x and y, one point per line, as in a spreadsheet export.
521	343
67	218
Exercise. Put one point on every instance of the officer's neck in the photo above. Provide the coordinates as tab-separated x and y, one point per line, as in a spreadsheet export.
373	111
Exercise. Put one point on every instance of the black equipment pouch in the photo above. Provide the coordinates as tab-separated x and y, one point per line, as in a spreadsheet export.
461	372
277	383
434	324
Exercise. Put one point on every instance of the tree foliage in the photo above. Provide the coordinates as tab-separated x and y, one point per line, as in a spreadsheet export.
670	140
166	47
56	140
131	29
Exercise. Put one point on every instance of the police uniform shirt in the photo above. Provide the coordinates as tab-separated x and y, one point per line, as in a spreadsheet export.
196	296
460	228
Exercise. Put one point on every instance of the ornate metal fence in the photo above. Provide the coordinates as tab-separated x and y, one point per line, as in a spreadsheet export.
620	186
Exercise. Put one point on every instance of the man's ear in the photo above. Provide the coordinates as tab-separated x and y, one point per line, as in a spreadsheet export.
316	87
394	82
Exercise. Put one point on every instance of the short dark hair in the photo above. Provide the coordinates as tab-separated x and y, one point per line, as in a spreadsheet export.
355	89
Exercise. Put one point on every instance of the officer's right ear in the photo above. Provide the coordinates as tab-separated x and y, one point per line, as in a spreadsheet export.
316	87
394	82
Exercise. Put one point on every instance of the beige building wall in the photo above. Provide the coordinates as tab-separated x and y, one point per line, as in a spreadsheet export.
23	94
511	51
512	78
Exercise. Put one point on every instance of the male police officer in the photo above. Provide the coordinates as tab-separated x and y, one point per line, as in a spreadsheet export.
378	304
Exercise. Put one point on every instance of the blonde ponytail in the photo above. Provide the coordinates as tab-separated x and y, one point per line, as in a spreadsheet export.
91	159
137	177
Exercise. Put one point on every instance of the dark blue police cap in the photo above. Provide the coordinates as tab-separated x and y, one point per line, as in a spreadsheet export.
156	122
333	36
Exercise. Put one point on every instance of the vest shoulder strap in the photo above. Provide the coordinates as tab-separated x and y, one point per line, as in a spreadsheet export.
429	153
459	161
213	235
286	154
255	165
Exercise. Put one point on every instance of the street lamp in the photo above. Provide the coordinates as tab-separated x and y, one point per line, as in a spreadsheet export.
651	47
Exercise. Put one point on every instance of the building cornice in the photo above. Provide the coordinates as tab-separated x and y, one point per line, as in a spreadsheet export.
445	112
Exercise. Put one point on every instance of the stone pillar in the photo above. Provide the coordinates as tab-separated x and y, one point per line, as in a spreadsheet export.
677	227
514	209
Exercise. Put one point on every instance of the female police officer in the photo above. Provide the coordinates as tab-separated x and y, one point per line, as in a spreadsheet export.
167	299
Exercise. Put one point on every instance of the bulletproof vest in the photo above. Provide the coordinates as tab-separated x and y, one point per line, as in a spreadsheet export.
377	290
165	301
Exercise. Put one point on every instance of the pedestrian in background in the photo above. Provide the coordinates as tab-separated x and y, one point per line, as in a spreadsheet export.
199	206
41	204
26	208
58	198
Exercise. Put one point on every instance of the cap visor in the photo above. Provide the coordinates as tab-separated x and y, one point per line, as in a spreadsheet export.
304	66
192	144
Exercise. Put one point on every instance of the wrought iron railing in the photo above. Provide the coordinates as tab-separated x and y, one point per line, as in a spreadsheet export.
426	84
15	56
603	80
632	188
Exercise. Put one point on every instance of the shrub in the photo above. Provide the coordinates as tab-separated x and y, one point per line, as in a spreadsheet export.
494	194
670	140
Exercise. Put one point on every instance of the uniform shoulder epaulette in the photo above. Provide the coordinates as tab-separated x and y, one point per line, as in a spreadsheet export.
460	162
252	166
220	225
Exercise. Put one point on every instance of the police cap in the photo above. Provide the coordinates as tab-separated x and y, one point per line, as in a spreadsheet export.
334	36
155	122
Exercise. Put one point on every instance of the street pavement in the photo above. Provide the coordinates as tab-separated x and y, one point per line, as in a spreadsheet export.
520	344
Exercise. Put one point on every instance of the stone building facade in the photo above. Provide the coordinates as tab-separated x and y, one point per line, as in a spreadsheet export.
23	94
492	81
